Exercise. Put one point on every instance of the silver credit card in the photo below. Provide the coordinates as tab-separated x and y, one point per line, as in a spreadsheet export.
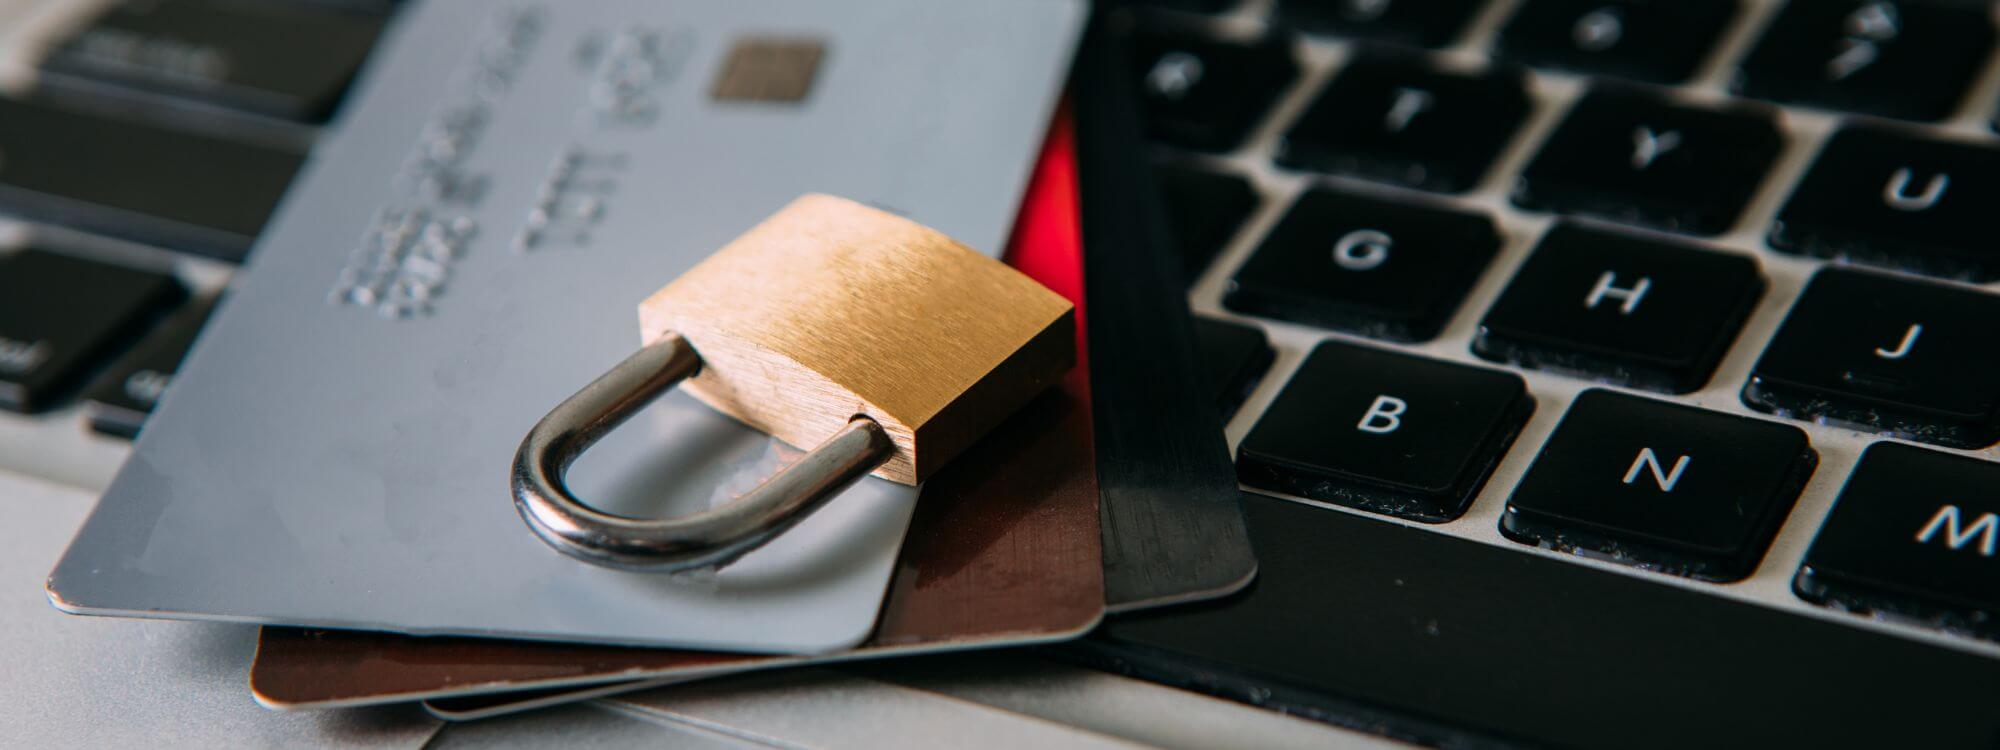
469	248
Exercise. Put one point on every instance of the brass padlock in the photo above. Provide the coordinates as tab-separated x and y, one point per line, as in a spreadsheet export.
886	344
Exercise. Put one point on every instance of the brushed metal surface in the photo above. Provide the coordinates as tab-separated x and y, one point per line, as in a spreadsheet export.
1110	704
823	709
93	682
872	315
586	728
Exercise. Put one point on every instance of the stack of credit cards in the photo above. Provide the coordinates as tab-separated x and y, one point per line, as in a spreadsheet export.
466	246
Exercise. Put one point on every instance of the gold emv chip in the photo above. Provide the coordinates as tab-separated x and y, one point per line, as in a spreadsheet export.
768	69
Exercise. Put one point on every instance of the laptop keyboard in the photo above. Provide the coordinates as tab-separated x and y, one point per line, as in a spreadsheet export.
1634	284
153	144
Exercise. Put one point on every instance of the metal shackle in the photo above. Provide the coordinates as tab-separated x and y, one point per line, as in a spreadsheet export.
704	540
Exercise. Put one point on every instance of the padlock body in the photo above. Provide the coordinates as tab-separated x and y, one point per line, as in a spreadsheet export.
830	309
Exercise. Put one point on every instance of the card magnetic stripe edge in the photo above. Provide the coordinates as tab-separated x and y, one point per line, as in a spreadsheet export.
1173	519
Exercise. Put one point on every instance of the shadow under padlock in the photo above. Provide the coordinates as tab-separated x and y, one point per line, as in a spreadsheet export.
647	469
677	457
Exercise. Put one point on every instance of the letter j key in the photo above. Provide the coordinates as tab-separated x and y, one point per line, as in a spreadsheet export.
1888	354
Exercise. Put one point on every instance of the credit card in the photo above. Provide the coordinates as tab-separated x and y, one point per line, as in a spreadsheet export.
1003	550
468	247
1173	523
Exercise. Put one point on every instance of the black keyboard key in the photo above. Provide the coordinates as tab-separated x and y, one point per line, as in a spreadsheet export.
1634	158
1910	60
119	400
1384	432
1656	41
1894	199
287	60
1402	121
1204	208
1661	486
1914	534
1624	309
59	315
1423	23
173	188
1899	356
1233	358
1205	94
1370	266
